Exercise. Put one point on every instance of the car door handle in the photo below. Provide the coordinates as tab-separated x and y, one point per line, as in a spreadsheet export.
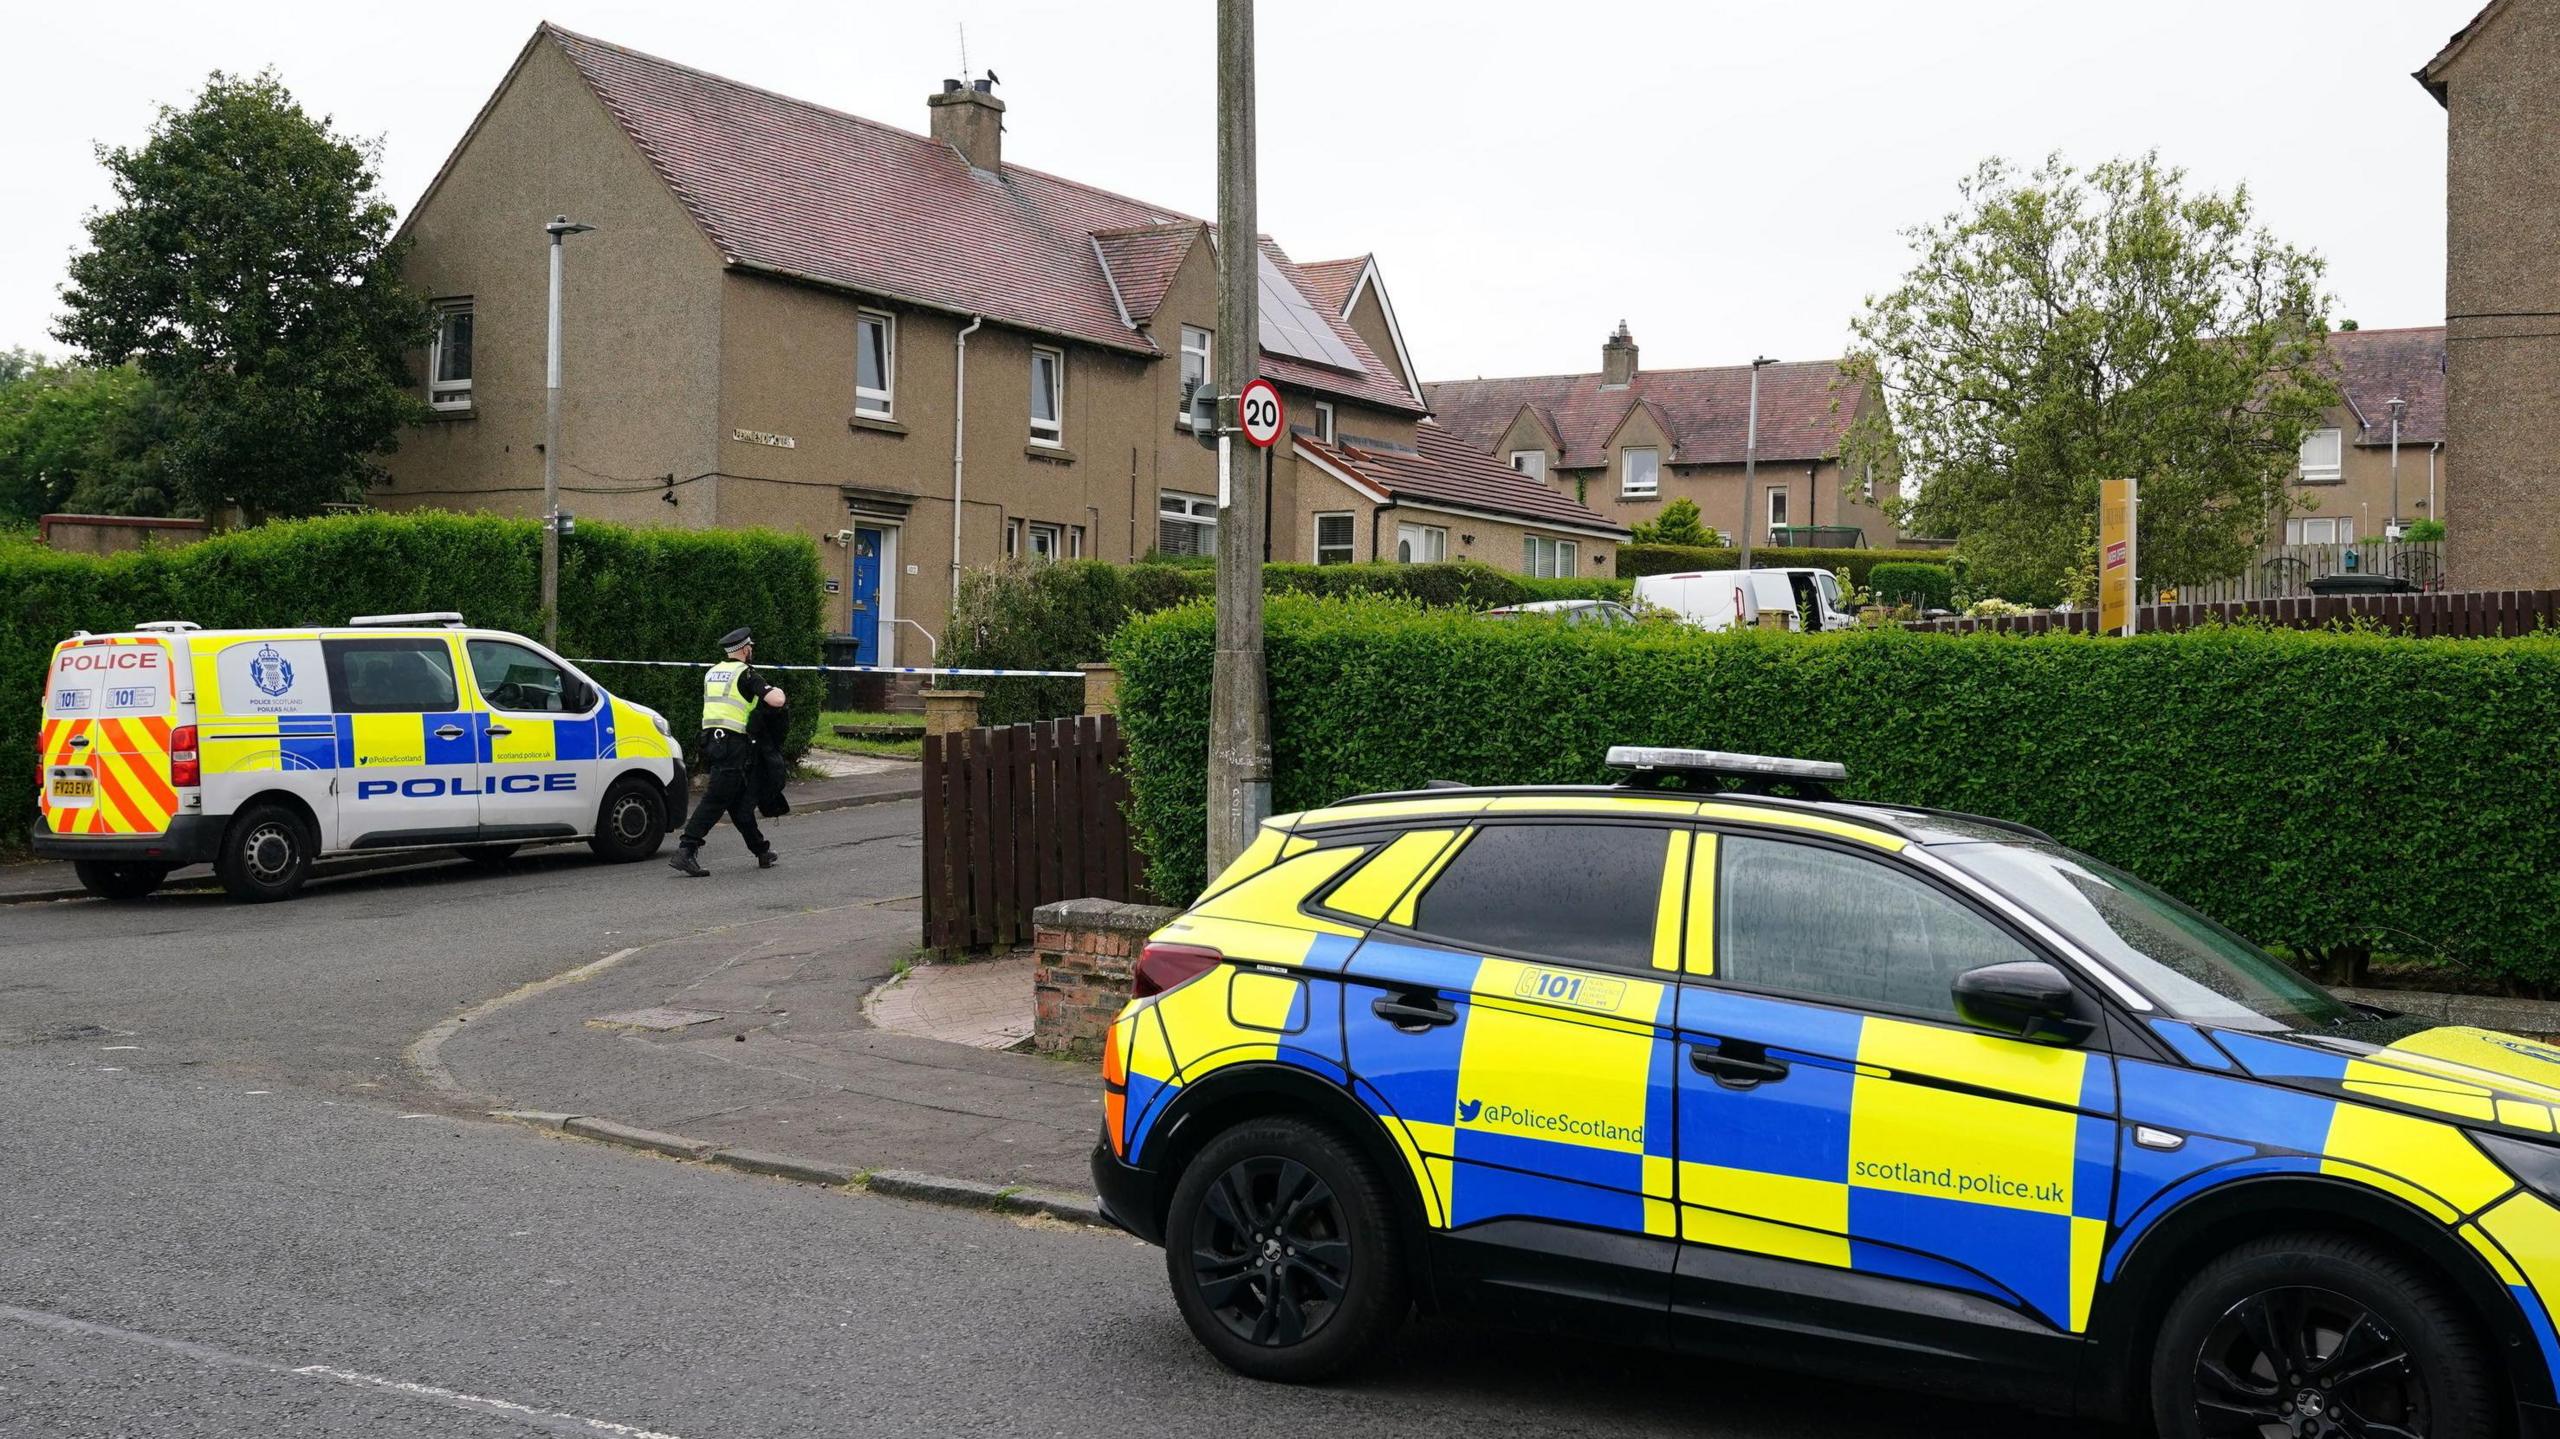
1739	1070
448	731
499	729
1413	1013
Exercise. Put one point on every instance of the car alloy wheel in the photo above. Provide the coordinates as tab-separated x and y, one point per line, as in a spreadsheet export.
2310	1363
1270	1251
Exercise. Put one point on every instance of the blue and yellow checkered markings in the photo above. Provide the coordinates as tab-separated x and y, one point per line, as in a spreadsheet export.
2192	1102
1230	1015
1778	1024
2191	1044
2520	1237
2150	1182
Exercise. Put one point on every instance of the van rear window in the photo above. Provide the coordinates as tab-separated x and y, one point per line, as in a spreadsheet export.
108	681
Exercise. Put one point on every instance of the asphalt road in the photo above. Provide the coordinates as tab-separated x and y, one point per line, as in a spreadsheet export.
225	1209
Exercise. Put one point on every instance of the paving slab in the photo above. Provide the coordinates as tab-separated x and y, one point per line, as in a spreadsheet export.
985	1004
789	1068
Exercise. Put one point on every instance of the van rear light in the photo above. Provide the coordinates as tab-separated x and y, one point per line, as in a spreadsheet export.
184	770
1162	967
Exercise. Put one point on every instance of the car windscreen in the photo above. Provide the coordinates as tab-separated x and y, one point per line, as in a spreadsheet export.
2194	967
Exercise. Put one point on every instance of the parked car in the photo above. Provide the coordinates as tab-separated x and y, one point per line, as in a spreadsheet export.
1725	599
1572	612
1709	1059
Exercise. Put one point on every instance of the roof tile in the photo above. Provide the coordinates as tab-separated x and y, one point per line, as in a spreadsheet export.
1706	411
1445	469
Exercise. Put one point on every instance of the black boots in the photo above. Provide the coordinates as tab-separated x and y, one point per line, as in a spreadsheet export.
687	863
768	860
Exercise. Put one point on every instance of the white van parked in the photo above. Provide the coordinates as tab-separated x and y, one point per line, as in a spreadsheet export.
1725	599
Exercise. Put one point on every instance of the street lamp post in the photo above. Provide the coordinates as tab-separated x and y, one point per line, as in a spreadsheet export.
1751	456
560	228
2396	405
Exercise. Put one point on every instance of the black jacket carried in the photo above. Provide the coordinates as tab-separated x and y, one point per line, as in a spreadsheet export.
767	726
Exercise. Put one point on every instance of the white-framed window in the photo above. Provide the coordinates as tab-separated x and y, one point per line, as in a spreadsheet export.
2320	530
1421	544
1047	542
449	356
1195	369
1075	542
1186	524
2321	456
875	364
1639	472
1867	483
1335	536
1543	558
1048	395
1532	463
1324	421
1777	508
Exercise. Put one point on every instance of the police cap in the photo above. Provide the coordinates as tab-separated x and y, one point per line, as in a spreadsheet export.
734	638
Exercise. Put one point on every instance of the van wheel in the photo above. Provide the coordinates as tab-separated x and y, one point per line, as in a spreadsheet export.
1284	1252
119	881
2319	1334
266	854
631	823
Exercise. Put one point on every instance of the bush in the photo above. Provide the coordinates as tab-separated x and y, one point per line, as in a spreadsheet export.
1907	582
624	594
1636	560
2316	791
2423	531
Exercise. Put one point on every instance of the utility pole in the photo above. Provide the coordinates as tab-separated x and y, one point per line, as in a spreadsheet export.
560	228
1239	694
1751	456
2396	405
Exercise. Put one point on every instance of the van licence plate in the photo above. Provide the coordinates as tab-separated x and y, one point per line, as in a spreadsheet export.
72	785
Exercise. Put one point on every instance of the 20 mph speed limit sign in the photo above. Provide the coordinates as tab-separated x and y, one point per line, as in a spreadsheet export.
1258	411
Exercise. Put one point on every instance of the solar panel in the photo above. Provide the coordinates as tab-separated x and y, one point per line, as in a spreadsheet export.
1291	326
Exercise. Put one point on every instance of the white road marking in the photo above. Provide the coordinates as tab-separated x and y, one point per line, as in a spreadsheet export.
558	1421
113	1047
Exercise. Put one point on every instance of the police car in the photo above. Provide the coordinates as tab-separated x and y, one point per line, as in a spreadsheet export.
1711	1060
261	750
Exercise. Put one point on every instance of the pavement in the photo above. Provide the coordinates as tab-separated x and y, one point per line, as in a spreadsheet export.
848	780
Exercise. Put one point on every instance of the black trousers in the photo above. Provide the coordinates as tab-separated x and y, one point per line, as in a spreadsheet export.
731	791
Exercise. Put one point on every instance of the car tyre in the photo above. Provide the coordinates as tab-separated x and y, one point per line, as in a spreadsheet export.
2320	1334
1285	1252
266	854
112	880
632	821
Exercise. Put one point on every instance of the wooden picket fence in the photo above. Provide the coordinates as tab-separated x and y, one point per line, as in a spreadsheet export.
2456	614
1018	816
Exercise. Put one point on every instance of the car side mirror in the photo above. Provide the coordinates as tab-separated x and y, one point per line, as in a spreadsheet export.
576	697
2028	998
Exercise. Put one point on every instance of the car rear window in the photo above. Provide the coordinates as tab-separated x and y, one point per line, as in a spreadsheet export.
1585	893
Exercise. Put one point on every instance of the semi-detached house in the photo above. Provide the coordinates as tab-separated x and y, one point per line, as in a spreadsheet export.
897	343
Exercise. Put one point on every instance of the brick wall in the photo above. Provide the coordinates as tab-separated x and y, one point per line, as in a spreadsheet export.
1080	975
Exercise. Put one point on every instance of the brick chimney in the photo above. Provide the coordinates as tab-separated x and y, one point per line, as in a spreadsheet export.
969	118
1618	360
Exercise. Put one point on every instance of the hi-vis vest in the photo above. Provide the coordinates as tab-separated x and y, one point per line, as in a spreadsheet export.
722	707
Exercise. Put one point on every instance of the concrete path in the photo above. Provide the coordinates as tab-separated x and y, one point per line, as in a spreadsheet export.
985	1005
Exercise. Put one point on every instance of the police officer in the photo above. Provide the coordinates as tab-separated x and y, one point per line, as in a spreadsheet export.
730	693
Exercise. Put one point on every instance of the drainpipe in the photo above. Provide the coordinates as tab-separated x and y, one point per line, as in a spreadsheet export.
959	435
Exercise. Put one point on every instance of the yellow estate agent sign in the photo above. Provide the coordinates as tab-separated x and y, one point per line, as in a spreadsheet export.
2115	555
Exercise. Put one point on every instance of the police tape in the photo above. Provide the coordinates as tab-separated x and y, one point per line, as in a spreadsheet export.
859	669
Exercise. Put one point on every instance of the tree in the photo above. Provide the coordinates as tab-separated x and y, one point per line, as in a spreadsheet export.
17	362
2059	329
1678	524
248	271
92	441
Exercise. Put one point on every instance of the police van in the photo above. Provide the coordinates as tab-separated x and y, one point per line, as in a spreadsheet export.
259	751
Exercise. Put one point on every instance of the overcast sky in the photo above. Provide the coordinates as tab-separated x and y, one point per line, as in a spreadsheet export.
1731	178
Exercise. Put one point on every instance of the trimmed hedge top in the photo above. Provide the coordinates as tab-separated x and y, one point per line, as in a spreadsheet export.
1638	560
2312	790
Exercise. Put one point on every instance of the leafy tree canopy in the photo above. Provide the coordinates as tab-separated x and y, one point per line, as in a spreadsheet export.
1678	524
247	270
87	440
2060	328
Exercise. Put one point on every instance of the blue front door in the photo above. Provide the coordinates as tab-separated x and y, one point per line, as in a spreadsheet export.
866	598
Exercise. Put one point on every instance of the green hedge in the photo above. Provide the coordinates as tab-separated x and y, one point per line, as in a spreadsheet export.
2318	791
1636	560
1057	616
624	594
1905	582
